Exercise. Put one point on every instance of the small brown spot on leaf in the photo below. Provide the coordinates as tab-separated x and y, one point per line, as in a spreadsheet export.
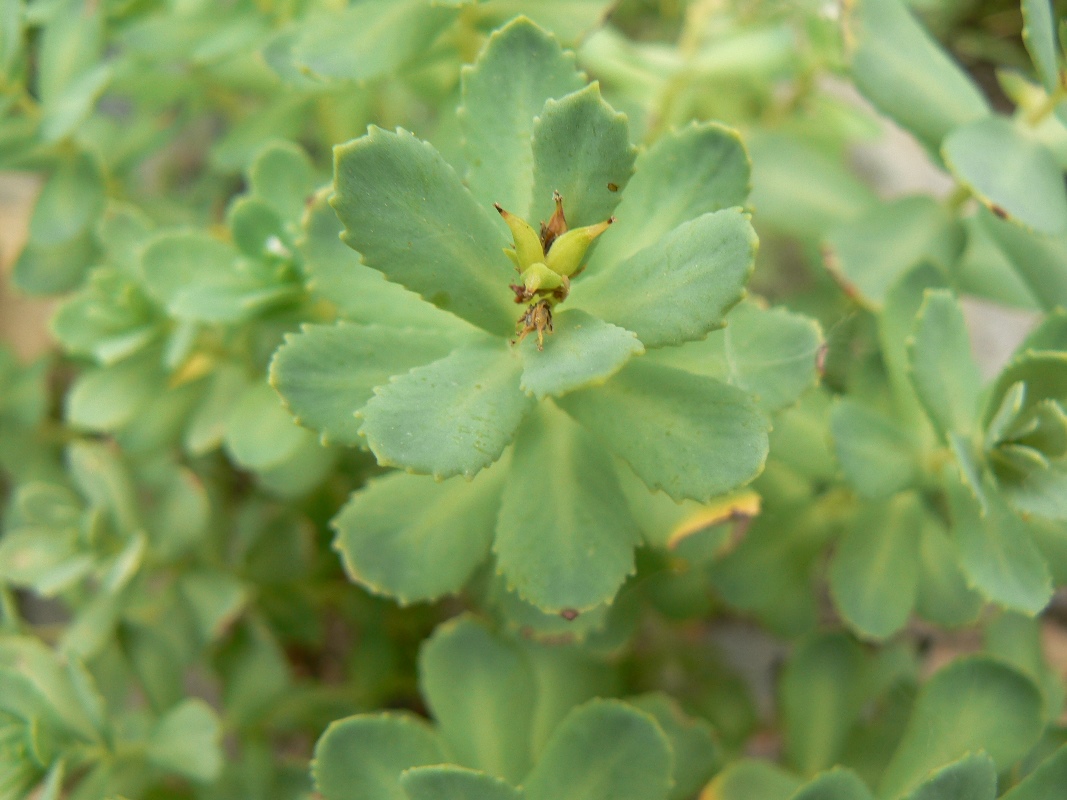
569	614
1000	212
613	187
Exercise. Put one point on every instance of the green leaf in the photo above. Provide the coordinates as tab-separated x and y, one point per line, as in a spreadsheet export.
447	782
199	278
110	319
188	741
973	777
870	253
68	109
362	757
214	598
685	174
107	398
406	211
1016	177
371	39
750	779
567	19
283	176
772	353
70	201
11	34
581	352
70	44
580	146
1043	373
997	551
260	434
414	538
874	572
679	288
972	704
820	699
943	369
906	74
943	594
1049	777
482	692
1039	36
256	227
800	189
452	417
1041	261
337	274
564	539
689	435
51	269
1016	638
692	740
876	455
837	784
520	67
603	750
326	373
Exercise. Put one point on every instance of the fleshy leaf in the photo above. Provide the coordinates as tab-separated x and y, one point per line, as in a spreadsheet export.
452	417
580	146
972	704
685	174
407	213
414	538
870	253
447	782
583	351
362	757
820	699
973	777
752	779
875	453
199	278
692	743
565	539
520	67
337	274
996	550
1049	778
943	369
370	39
874	572
187	741
943	596
772	354
1039	36
689	435
679	288
482	692
1040	261
1017	178
836	784
260	434
282	175
603	750
326	373
902	69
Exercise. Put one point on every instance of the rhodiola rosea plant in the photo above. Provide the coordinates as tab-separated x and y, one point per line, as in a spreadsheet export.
520	436
490	457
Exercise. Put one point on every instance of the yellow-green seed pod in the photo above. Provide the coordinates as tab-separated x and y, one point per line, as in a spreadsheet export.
539	278
527	249
568	250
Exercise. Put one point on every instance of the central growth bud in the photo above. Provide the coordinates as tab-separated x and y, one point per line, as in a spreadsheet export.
546	262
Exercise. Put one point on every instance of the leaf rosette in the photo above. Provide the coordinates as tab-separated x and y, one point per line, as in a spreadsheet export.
430	370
